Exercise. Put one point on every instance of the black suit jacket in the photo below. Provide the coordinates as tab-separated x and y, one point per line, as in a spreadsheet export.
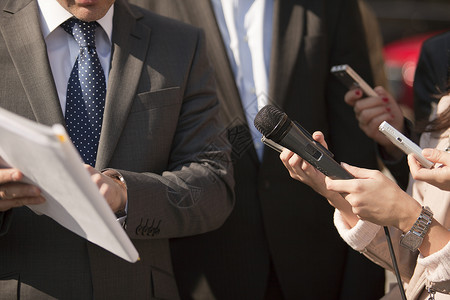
432	77
275	217
160	128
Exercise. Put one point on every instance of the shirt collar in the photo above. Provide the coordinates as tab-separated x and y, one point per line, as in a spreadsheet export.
52	14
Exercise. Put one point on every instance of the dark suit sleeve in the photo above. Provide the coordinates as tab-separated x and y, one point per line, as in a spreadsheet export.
432	75
348	46
194	194
5	221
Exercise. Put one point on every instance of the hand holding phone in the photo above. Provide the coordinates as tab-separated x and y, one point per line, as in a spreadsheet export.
351	79
403	143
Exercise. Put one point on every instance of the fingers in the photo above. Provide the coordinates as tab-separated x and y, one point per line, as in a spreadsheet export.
352	96
340	186
10	174
6	204
285	155
90	169
418	172
437	156
10	191
96	177
414	165
350	185
373	110
360	173
319	137
14	194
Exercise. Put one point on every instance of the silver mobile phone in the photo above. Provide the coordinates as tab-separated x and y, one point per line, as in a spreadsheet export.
405	144
351	79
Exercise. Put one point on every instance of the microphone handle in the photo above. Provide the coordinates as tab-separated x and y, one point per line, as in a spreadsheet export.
311	151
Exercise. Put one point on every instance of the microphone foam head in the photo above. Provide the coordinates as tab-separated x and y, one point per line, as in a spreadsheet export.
270	122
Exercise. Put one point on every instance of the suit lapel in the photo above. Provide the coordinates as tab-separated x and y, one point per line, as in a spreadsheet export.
231	106
203	16
130	44
288	20
28	51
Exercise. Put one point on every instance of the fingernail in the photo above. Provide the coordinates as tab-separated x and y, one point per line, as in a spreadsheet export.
388	109
385	99
357	92
427	152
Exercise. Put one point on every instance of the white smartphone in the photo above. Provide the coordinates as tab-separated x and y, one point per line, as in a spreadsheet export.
405	144
351	79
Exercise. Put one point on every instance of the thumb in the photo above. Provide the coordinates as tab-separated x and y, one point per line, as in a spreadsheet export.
437	156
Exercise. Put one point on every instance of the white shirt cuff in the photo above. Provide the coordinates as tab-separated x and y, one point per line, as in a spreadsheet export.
357	237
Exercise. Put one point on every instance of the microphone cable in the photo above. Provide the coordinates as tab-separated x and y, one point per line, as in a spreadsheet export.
394	263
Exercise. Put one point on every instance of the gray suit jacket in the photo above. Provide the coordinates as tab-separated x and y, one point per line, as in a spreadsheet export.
275	217
160	129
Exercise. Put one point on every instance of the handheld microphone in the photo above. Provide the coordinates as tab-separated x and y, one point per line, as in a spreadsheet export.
276	126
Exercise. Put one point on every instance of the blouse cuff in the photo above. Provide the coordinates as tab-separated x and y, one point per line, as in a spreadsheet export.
359	236
437	265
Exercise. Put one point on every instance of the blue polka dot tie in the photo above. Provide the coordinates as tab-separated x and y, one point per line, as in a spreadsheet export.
86	92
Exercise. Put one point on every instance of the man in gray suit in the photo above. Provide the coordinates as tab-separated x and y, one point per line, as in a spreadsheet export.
279	241
160	135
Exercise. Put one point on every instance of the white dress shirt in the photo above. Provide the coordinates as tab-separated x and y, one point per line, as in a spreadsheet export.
63	50
246	28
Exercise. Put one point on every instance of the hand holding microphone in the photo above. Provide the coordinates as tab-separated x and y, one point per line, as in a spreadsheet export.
276	126
311	155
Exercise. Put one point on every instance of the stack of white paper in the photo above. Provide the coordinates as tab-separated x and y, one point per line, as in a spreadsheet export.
48	159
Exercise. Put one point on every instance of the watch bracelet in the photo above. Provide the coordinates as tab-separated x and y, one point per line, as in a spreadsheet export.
423	222
113	173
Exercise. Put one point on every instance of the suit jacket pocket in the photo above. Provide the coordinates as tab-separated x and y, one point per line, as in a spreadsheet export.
156	99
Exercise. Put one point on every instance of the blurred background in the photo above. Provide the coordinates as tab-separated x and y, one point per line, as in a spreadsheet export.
404	25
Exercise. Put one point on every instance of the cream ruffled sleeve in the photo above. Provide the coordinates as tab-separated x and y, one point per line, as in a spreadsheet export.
359	236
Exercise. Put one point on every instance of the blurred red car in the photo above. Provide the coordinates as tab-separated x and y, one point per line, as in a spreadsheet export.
400	62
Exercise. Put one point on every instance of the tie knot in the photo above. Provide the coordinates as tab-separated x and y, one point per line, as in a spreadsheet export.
82	32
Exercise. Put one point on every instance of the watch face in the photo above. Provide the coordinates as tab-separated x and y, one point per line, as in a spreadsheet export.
411	241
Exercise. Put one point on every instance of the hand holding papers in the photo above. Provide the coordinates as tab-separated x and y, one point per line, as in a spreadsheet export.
48	159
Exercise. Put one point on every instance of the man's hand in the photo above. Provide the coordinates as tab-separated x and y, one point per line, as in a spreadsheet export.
14	193
112	189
